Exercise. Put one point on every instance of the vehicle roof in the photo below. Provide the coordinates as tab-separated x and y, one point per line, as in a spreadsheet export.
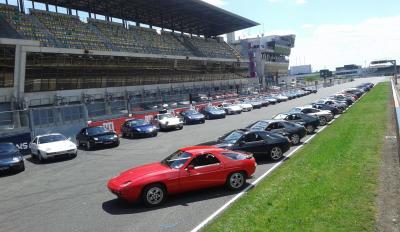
39	136
198	150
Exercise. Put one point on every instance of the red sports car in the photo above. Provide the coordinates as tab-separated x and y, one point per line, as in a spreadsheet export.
187	169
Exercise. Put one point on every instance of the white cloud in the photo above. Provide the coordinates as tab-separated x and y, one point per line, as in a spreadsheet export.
215	2
307	26
338	44
301	2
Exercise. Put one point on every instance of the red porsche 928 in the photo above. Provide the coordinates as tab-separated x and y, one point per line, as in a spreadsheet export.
187	169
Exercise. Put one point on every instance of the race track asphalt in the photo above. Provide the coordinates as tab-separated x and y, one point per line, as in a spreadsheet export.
71	195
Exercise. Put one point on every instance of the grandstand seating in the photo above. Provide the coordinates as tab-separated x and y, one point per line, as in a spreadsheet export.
68	31
25	26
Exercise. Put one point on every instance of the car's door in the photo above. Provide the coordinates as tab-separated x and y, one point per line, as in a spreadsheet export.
203	171
83	136
252	142
276	127
34	146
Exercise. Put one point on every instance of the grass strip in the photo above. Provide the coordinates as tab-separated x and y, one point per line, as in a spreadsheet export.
329	185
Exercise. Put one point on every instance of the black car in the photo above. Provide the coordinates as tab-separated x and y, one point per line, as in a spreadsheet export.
309	122
138	128
11	158
259	143
334	110
91	137
213	112
192	117
293	131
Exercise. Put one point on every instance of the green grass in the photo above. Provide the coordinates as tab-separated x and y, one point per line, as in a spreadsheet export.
329	185
312	78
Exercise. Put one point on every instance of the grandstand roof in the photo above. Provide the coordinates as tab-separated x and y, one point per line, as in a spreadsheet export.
189	16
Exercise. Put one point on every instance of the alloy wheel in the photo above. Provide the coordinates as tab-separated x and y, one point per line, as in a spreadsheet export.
276	153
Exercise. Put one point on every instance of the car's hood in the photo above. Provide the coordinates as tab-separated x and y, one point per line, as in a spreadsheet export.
246	105
140	172
216	111
195	116
144	127
170	121
233	107
9	155
57	146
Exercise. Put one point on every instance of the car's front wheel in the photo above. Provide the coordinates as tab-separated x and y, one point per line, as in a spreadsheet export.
154	195
276	153
236	181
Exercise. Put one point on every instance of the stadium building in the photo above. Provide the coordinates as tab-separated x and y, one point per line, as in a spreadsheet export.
268	56
126	57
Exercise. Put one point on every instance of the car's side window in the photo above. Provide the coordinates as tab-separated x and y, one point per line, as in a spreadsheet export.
279	125
204	160
34	141
252	137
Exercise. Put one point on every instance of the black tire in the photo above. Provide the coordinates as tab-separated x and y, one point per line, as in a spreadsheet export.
116	144
323	121
276	153
40	157
154	195
20	167
88	146
236	181
73	155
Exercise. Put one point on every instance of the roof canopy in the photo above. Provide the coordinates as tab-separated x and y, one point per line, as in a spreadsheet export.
189	16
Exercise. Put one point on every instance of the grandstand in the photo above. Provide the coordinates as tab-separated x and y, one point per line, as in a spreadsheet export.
125	56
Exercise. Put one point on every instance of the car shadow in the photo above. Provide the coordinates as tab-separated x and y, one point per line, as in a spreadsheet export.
57	159
120	207
8	173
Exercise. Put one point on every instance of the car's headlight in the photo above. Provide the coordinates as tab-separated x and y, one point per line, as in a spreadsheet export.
138	129
16	159
96	139
115	136
126	184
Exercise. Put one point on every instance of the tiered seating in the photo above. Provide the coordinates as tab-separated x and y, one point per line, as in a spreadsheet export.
159	44
212	48
72	32
120	38
24	25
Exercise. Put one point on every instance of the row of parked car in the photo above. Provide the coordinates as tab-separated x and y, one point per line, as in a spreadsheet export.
292	126
230	159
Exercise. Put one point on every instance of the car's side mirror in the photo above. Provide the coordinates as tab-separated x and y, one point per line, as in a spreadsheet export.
190	167
69	138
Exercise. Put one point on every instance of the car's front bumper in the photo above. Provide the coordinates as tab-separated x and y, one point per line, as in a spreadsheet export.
6	165
46	154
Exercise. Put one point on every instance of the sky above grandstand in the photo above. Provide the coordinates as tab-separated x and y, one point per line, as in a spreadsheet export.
329	33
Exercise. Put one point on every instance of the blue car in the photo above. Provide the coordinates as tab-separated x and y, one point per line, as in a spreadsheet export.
138	128
213	112
11	158
192	117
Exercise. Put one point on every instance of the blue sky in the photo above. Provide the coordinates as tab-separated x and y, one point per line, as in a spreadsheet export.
329	33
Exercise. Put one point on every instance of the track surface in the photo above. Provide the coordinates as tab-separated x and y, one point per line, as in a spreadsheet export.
71	195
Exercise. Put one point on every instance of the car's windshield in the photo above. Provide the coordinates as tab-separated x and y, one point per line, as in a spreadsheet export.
97	130
165	116
190	112
6	147
137	122
261	125
296	110
212	108
177	160
51	139
232	137
280	116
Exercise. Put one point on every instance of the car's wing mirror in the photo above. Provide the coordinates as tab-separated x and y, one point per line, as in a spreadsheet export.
69	138
190	168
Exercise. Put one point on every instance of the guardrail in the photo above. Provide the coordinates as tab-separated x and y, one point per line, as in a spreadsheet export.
396	100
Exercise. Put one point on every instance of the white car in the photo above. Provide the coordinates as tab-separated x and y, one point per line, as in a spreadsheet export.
280	97
324	116
231	108
246	107
52	145
168	121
